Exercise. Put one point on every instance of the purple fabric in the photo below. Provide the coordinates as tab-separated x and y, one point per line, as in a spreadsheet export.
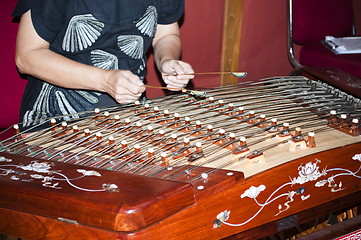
315	19
317	55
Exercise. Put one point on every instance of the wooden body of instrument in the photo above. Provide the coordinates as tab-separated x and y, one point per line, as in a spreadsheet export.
111	176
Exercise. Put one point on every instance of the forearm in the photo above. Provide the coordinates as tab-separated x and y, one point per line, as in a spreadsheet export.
167	51
34	57
58	70
167	47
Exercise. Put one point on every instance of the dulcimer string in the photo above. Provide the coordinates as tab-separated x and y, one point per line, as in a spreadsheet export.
274	145
321	128
224	87
209	146
214	149
243	157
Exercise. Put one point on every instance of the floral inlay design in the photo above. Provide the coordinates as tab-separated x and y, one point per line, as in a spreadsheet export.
306	173
309	172
221	217
357	157
35	166
42	171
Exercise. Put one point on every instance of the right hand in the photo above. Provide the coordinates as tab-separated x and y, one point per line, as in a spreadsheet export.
123	86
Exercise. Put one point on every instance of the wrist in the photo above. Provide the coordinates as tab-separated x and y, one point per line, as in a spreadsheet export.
161	62
102	79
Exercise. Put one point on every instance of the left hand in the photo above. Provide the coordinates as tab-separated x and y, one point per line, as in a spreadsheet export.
176	68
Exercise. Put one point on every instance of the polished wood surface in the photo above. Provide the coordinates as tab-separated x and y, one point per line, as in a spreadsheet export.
312	214
196	220
138	202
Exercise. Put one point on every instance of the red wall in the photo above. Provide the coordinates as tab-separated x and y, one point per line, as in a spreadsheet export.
11	85
264	39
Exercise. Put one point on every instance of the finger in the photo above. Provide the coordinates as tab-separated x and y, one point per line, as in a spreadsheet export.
178	68
135	80
173	88
183	77
177	80
136	89
187	67
184	71
177	83
169	79
134	85
126	98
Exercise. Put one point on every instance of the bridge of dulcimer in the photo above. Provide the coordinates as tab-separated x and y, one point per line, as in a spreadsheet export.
180	149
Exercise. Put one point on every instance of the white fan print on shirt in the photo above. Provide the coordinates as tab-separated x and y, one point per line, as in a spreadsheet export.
59	102
147	24
82	32
104	60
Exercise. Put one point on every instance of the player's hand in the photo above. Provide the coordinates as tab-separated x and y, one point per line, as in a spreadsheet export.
123	86
176	74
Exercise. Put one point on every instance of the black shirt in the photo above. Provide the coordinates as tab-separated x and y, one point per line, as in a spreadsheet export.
109	34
